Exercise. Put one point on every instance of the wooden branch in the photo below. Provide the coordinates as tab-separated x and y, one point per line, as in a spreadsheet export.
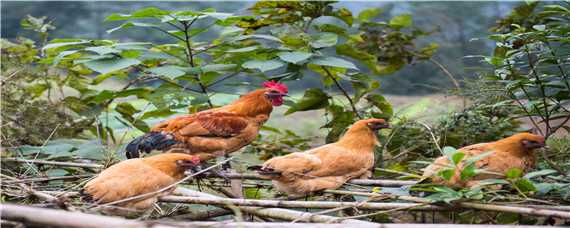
68	164
368	182
276	213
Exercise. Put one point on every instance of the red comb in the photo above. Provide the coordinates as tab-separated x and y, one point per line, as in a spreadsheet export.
276	85
195	160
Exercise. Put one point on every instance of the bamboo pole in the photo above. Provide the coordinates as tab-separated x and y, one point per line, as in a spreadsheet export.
58	218
68	164
43	179
276	213
373	182
42	217
297	204
538	210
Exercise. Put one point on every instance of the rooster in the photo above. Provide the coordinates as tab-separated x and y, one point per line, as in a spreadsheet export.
214	132
328	166
516	151
136	177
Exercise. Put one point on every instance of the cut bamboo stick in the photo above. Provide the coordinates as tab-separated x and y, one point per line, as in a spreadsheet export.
58	218
297	204
42	217
276	213
368	182
68	164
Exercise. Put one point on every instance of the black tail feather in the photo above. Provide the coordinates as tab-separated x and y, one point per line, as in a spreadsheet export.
148	142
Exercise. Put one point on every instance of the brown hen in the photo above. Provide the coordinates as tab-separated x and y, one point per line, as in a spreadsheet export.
135	177
328	166
516	151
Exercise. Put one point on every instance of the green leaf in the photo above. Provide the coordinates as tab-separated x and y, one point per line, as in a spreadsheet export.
333	62
245	49
507	218
258	36
525	185
165	112
108	65
446	174
91	150
218	67
168	71
368	14
263	66
102	50
381	103
539	27
324	39
56	172
294	57
63	44
131	24
457	157
401	21
514	173
540	173
468	172
125	108
312	99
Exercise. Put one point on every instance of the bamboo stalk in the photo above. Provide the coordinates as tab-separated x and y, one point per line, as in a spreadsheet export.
539	210
68	164
58	218
276	213
373	182
42	179
42	217
296	204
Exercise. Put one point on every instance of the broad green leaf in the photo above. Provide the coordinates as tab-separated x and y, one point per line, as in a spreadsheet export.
468	172
381	103
401	21
457	157
62	55
525	185
312	99
446	174
168	71
513	173
333	62
104	66
63	44
324	39
218	67
540	173
263	66
102	50
56	172
131	24
157	113
91	150
368	14
245	49
265	37
294	57
125	108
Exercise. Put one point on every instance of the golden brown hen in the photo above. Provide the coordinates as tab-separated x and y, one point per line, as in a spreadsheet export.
328	166
137	177
516	151
213	132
